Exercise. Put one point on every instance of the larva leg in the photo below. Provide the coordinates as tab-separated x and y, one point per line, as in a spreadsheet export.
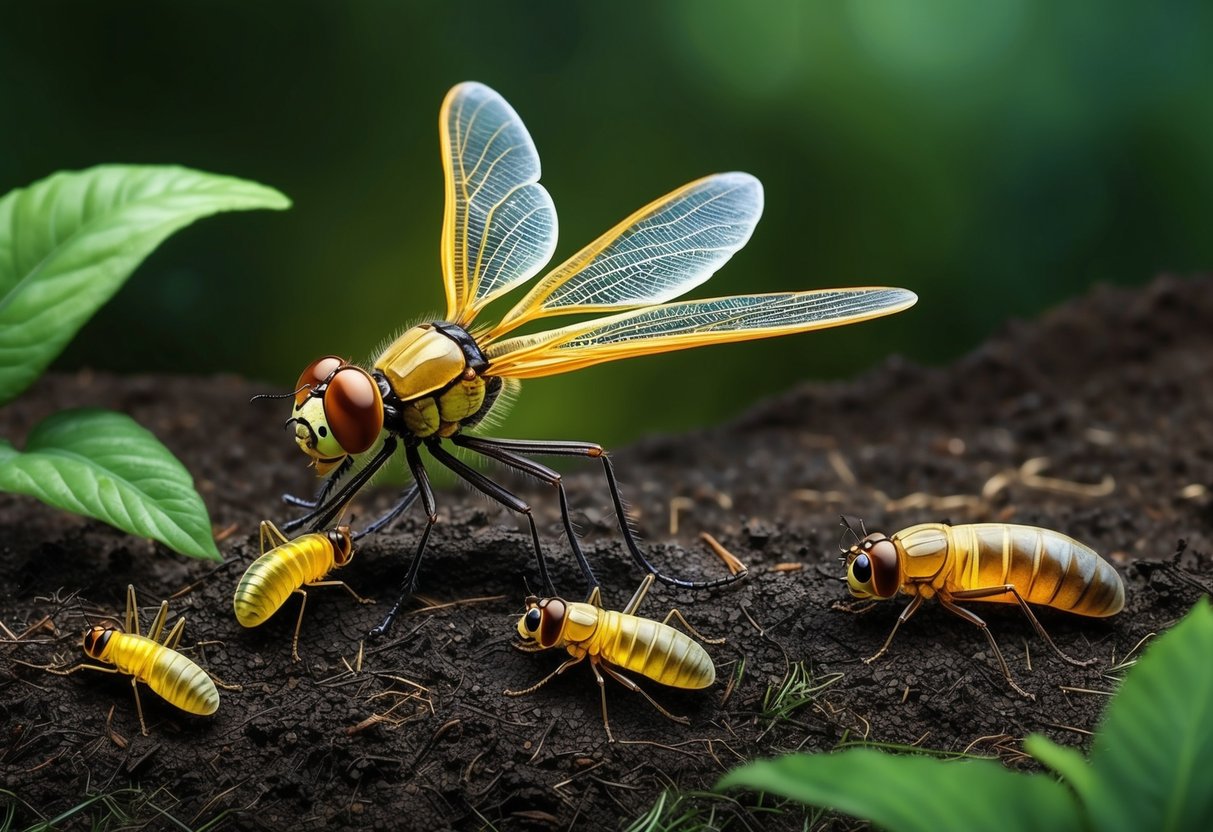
174	635
565	666
976	621
131	621
59	671
157	627
271	537
348	589
641	593
595	598
635	688
674	613
910	609
298	626
606	723
986	592
138	706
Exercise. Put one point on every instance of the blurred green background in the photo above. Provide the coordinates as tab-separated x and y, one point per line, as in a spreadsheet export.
996	157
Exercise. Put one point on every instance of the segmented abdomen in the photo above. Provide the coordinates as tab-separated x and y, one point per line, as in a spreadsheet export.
271	578
655	650
1047	567
174	677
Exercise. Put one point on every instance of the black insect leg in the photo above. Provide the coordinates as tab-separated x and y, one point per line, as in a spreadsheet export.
407	498
595	451
490	449
299	502
421	485
491	489
323	515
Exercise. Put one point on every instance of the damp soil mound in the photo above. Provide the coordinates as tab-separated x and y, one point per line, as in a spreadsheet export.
1094	420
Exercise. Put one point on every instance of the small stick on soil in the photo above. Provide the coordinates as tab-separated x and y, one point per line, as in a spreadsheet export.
1069	689
1060	727
226	532
678	504
1029	475
736	567
786	566
188	588
485	599
542	739
839	463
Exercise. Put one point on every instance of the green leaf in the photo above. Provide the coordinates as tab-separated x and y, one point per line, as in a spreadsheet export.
1152	757
1067	762
104	465
69	242
915	793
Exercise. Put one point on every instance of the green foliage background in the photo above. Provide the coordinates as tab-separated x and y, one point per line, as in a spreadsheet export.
994	157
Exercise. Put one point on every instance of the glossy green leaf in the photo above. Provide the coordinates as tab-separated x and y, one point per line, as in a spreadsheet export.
104	465
904	793
1152	758
69	242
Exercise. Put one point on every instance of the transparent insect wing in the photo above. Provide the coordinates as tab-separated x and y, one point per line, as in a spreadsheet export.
660	252
500	224
689	324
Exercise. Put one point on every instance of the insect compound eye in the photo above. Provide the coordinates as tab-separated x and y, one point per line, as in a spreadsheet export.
886	569
353	408
861	569
533	618
314	375
553	621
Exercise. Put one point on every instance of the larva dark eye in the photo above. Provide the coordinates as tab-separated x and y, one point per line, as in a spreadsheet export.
861	568
533	619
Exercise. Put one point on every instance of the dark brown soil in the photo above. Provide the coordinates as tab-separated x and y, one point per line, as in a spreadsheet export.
1114	391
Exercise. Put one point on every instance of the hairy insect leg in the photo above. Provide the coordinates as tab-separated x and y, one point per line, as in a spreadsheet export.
300	502
987	592
976	620
635	688
910	609
563	667
407	498
592	450
323	514
686	625
421	481
511	501
492	449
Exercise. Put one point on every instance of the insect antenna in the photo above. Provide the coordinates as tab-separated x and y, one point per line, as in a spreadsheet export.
849	528
290	395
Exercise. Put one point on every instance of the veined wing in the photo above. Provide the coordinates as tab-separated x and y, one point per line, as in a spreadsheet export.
696	323
658	253
499	229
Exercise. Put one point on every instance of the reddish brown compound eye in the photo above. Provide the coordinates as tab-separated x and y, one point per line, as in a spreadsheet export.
553	621
314	375
886	570
353	409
